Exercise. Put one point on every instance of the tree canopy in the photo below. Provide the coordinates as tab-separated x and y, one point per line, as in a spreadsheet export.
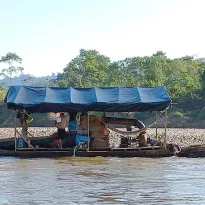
13	61
183	77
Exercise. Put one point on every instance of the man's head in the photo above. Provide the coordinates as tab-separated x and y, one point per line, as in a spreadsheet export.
62	114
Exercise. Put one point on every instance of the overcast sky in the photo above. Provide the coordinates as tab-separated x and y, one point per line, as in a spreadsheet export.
47	34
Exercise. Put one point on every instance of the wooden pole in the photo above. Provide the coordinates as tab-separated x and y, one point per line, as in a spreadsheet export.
156	124
88	132
165	131
15	124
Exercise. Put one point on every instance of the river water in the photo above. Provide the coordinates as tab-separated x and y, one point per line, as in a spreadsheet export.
102	181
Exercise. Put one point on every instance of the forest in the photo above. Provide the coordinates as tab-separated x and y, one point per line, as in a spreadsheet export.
183	77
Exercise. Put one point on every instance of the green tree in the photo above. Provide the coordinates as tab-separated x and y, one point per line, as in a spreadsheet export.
154	70
202	78
13	61
2	92
88	69
131	70
183	79
187	58
160	54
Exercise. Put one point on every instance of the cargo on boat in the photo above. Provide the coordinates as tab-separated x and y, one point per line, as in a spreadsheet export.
87	134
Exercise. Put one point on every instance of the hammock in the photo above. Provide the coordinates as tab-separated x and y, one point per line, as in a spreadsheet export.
128	132
134	132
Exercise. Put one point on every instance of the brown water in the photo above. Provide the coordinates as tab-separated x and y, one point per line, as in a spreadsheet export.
102	181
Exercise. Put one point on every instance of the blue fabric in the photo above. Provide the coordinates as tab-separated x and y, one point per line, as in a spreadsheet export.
156	143
81	138
72	125
110	99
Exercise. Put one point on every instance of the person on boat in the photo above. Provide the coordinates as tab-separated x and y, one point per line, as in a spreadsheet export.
24	118
61	123
72	127
142	139
72	122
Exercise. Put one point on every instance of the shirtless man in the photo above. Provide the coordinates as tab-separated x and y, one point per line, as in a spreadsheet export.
23	117
24	126
61	123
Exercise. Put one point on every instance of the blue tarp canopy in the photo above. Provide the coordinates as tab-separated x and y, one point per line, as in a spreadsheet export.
108	99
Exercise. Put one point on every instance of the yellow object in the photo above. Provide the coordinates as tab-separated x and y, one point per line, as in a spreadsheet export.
30	119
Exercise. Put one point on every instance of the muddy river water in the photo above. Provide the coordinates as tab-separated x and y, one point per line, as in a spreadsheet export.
102	181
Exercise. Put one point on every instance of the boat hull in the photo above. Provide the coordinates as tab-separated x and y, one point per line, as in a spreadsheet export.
192	151
93	153
9	143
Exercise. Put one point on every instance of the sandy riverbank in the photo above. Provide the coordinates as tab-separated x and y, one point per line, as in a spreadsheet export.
183	137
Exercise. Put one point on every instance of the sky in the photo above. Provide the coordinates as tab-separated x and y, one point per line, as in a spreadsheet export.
48	34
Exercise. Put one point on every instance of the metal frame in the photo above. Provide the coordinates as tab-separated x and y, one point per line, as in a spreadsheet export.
88	132
15	124
17	132
156	124
165	129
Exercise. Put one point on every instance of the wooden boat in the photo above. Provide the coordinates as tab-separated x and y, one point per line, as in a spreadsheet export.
69	152
192	151
9	143
52	99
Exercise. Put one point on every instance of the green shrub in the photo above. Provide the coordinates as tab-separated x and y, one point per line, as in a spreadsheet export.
2	95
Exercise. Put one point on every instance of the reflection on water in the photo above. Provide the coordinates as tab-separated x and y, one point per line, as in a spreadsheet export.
102	181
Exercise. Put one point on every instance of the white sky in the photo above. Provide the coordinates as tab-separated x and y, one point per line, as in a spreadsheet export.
47	34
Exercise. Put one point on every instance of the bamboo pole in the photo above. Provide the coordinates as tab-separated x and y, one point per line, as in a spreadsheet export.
30	134
88	132
156	125
15	123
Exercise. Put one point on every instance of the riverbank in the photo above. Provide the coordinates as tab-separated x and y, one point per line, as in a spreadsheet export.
180	136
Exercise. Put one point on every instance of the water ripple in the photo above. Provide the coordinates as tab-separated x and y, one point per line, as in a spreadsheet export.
100	180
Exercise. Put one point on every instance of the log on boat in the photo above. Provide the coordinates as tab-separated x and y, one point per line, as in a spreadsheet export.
192	151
